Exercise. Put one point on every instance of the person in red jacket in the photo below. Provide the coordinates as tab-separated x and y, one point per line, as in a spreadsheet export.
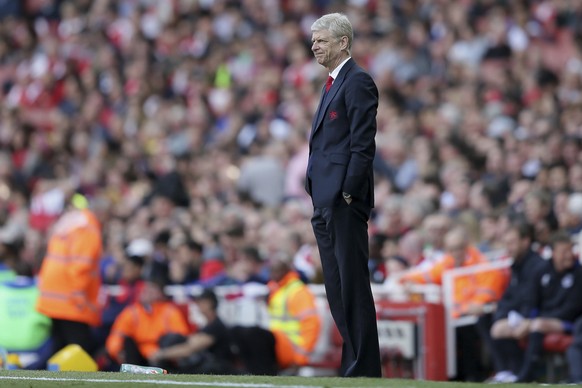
69	280
140	327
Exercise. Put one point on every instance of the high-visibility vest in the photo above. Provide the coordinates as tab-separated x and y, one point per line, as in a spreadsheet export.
280	319
69	279
477	288
434	274
22	328
294	320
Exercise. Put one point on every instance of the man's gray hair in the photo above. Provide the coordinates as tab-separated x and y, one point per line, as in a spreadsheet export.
336	23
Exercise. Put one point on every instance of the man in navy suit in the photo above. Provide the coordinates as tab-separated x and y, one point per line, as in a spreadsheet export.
340	182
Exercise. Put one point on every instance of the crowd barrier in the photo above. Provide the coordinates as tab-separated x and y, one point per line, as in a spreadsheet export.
410	326
415	327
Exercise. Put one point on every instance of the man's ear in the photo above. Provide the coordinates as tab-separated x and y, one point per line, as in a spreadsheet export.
344	40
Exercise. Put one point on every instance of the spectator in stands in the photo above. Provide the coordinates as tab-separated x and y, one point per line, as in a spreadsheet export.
400	167
552	306
262	176
506	353
376	261
538	208
213	265
294	324
208	351
184	260
141	327
434	229
488	241
125	292
11	237
573	214
251	267
396	267
69	281
248	267
411	247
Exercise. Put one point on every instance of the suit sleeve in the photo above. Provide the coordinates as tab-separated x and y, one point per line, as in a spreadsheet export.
362	105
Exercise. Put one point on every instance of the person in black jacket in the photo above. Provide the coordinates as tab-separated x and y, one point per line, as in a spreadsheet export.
553	304
208	351
556	301
505	351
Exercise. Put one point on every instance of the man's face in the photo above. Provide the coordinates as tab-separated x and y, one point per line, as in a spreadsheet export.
151	293
130	270
205	307
514	245
562	256
277	269
326	48
457	249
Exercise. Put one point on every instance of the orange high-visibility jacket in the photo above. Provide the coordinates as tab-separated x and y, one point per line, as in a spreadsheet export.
69	279
294	320
145	326
479	288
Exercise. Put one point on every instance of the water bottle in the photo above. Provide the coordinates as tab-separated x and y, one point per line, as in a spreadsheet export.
140	369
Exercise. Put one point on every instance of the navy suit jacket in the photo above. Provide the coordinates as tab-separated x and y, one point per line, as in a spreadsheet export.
342	145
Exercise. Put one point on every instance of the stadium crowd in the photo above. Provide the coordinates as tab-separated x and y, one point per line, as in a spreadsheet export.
184	125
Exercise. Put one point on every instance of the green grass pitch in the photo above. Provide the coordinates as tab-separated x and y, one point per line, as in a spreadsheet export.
121	380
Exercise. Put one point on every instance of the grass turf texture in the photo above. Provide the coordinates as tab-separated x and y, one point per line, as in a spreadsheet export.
121	380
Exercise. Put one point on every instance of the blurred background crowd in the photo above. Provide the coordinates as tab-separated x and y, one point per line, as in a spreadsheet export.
184	124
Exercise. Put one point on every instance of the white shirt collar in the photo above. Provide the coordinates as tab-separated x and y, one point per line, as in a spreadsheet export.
336	71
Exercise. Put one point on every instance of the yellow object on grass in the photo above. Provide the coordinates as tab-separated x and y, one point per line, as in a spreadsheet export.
72	358
13	361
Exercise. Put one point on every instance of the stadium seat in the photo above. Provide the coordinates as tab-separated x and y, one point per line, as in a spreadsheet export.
555	346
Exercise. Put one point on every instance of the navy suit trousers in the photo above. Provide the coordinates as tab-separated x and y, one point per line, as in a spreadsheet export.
342	237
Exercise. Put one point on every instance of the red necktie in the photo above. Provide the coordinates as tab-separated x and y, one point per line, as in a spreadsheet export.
328	83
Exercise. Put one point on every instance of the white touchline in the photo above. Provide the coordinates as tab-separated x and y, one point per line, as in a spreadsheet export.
170	382
160	382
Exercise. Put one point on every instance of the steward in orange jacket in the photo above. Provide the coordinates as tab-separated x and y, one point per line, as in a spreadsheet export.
69	280
469	290
294	320
139	328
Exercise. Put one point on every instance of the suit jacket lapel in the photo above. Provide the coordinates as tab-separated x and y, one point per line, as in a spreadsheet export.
327	97
319	108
